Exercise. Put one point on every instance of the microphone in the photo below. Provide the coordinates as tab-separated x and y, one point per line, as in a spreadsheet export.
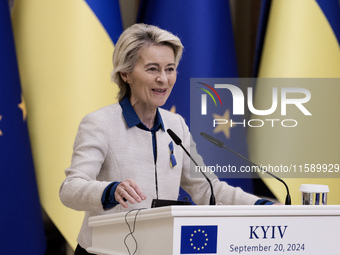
221	145
178	141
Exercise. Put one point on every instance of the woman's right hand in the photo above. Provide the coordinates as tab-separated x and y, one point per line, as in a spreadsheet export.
129	191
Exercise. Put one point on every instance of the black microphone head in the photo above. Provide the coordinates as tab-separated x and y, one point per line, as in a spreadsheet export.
212	139
174	137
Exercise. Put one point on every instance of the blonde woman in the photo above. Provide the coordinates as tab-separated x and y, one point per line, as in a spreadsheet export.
121	159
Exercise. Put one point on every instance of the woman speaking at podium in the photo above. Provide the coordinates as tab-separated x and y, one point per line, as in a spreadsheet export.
123	158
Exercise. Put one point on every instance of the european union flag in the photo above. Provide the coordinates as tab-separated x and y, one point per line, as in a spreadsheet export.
21	221
208	42
209	53
212	112
199	239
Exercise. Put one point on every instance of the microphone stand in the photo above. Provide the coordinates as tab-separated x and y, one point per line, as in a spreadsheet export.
221	145
178	141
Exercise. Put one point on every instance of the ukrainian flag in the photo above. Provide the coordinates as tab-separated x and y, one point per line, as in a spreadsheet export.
64	53
21	222
302	41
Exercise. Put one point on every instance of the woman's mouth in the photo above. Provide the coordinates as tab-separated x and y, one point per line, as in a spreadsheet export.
159	91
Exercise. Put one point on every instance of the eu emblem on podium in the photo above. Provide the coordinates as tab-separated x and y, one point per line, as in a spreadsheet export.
199	239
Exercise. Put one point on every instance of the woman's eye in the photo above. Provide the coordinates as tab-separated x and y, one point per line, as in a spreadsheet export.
152	69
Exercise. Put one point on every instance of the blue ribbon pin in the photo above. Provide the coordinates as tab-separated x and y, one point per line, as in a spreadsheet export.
173	162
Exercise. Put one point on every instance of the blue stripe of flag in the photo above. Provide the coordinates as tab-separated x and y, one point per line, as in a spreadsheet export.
108	12
331	9
261	32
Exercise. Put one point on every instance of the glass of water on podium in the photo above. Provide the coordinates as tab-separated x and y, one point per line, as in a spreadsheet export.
314	194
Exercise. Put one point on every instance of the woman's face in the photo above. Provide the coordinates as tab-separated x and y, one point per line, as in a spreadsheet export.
153	76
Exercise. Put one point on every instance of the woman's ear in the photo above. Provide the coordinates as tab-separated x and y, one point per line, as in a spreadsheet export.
124	77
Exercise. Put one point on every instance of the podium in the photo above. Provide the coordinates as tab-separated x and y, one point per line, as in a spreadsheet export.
275	229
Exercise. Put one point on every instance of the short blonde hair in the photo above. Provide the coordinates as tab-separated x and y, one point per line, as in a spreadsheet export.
130	42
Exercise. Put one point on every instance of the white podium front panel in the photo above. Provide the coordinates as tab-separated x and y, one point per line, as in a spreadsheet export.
261	235
221	230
